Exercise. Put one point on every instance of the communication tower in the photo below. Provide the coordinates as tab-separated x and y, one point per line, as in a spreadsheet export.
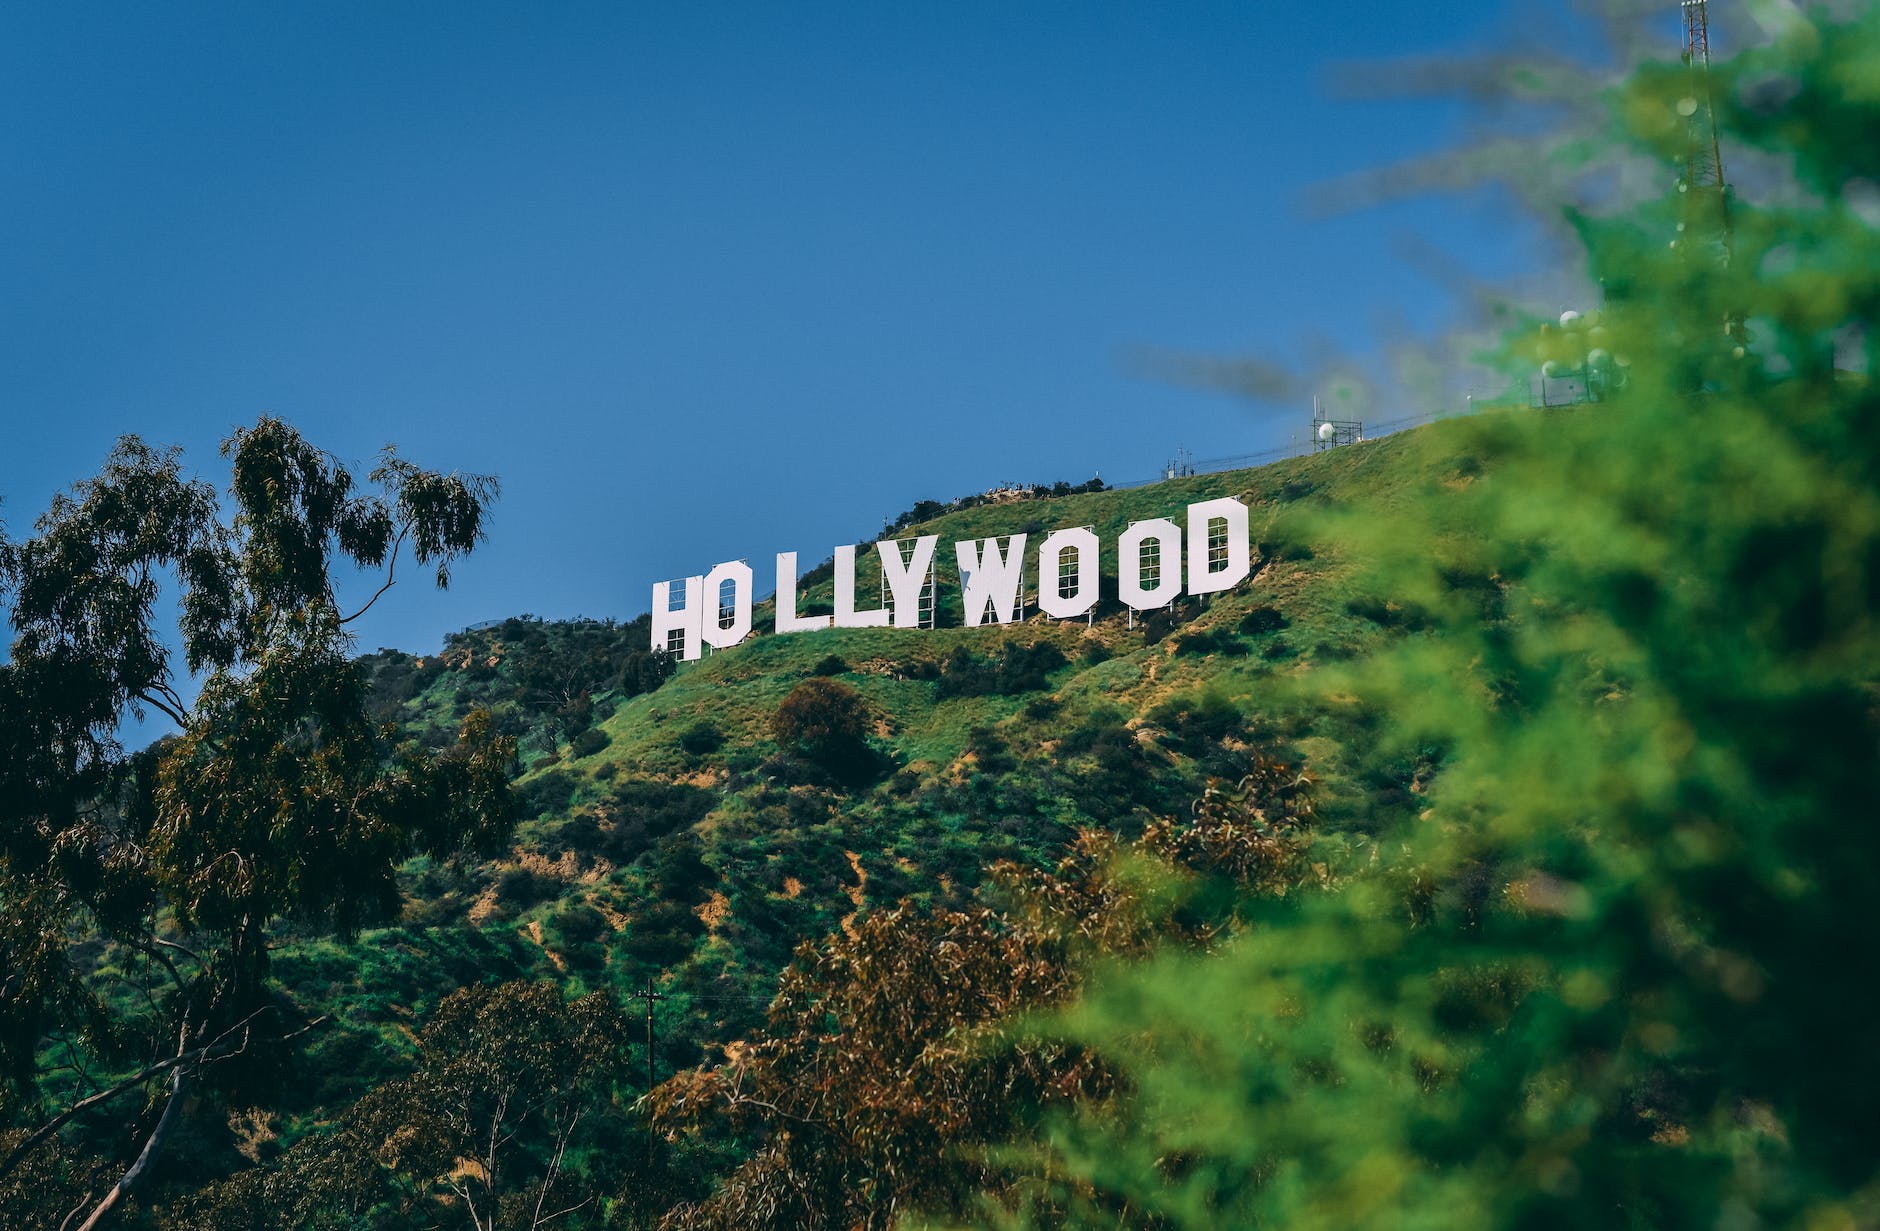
1706	223
1329	433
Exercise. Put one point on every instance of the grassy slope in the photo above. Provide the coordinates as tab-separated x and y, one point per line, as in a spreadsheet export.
703	870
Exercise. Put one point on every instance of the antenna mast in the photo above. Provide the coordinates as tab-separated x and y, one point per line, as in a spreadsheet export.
1706	196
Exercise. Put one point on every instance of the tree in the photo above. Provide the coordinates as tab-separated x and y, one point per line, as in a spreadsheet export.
276	799
511	1120
1615	973
890	1067
825	720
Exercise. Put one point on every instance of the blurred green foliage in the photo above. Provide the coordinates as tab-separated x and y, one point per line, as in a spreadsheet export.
1616	970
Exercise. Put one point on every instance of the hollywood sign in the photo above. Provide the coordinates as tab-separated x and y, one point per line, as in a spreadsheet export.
1149	570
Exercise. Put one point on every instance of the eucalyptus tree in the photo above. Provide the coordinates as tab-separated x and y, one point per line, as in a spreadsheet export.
277	798
513	1118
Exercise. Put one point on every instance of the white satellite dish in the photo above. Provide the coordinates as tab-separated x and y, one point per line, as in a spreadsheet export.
1327	431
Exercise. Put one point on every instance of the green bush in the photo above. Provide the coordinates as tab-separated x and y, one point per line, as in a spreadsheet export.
1017	669
1261	621
827	723
701	739
589	742
830	665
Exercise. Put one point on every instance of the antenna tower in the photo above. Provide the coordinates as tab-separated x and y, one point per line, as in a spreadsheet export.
1329	433
1706	224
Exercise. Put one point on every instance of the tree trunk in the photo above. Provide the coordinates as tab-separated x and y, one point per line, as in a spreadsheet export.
153	1145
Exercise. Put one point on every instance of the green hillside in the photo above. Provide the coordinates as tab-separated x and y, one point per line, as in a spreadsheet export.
670	839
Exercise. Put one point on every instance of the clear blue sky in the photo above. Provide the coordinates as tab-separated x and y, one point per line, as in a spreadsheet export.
697	281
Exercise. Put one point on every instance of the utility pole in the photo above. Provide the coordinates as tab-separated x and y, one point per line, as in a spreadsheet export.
649	996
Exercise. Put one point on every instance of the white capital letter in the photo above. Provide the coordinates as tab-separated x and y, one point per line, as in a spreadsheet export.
1051	597
987	577
906	579
846	615
1217	568
1168	555
686	619
787	619
718	634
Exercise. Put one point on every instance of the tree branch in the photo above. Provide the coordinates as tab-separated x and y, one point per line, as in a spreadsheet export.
179	1082
554	1169
463	1192
391	574
156	703
130	1083
149	949
183	949
170	695
82	1203
543	1222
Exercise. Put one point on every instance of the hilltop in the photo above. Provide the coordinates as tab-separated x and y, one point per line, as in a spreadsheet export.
668	839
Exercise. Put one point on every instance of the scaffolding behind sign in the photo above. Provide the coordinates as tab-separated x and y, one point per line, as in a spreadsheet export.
926	606
1149	563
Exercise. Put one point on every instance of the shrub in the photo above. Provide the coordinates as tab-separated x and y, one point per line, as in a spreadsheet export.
1285	547
581	833
823	718
680	872
1386	614
965	674
1215	641
662	934
1194	723
577	923
1018	669
589	742
1262	620
1161	622
1026	668
520	887
1041	708
989	750
549	793
643	812
701	739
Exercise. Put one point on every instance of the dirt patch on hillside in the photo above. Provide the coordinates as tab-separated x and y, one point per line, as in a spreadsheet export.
615	920
714	911
483	907
566	868
534	933
855	893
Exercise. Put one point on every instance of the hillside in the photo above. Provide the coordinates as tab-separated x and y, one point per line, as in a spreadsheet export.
668	839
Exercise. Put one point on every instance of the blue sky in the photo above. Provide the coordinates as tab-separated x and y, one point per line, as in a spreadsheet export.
704	281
